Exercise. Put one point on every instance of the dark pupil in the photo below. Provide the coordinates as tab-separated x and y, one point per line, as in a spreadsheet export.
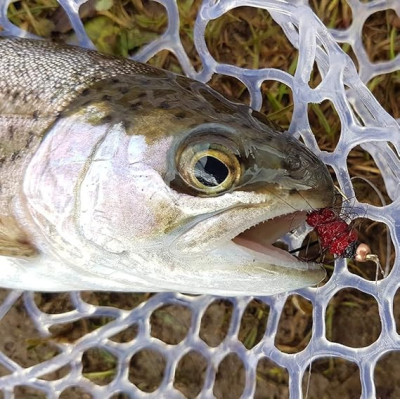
210	171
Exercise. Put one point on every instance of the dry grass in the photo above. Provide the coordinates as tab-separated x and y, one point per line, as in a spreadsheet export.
249	38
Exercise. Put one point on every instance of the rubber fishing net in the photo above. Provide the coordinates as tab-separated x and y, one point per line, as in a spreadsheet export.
171	344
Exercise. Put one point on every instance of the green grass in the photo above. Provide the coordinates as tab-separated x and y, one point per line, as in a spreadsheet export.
246	37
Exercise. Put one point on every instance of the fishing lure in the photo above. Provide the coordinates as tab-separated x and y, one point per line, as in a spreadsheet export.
338	237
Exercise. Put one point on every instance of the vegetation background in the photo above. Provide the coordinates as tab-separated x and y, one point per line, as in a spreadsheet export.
247	37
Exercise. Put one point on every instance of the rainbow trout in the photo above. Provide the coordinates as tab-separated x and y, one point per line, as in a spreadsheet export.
119	176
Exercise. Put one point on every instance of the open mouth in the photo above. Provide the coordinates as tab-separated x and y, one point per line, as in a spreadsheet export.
261	237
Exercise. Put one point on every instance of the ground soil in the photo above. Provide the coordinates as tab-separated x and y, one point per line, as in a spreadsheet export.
355	322
244	37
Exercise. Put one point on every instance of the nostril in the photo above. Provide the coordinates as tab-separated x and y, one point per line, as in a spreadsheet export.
294	166
293	162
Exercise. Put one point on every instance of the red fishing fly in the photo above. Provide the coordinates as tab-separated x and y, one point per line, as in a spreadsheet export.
336	236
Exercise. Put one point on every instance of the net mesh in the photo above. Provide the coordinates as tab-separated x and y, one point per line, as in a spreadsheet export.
364	123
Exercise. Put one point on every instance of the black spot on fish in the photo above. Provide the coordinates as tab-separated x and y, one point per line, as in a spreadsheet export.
126	124
141	95
11	132
35	115
135	106
115	80
86	103
31	135
85	92
106	97
184	82
165	105
106	119
143	81
123	90
2	160
15	95
180	114
15	155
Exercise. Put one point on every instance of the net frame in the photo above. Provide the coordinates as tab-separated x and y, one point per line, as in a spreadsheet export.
345	88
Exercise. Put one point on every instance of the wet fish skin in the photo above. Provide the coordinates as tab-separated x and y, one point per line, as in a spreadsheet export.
93	194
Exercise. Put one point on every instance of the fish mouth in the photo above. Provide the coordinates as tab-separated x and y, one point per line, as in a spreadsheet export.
260	239
243	260
245	237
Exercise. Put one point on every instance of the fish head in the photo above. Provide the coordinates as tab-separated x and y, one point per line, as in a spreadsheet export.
181	190
242	189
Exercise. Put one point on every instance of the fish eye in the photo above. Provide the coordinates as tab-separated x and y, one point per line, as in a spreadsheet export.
210	171
209	168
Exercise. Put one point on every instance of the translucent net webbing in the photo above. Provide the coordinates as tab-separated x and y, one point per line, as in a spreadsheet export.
363	123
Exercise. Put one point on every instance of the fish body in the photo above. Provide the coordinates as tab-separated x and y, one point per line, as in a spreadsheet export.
119	176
